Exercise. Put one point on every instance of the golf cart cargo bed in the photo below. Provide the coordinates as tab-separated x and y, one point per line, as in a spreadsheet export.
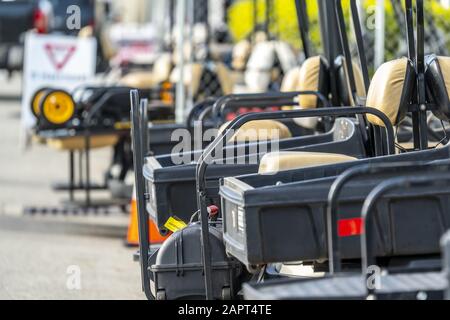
172	187
264	213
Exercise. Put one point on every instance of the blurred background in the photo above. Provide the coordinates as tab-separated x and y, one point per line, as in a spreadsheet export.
49	233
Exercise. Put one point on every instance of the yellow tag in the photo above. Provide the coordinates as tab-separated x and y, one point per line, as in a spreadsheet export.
174	224
122	125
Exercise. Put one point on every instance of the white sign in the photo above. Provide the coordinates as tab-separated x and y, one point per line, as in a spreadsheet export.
55	61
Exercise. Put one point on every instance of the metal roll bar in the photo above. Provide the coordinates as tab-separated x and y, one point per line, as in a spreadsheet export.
225	136
336	188
367	237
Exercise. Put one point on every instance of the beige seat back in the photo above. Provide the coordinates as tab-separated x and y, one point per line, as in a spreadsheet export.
313	76
240	54
260	130
285	160
162	67
343	81
138	80
291	80
390	91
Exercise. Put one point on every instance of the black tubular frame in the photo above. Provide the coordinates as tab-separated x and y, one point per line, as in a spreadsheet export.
345	47
266	100
225	136
350	71
137	113
332	46
409	19
303	25
206	105
333	241
421	86
367	238
416	54
360	43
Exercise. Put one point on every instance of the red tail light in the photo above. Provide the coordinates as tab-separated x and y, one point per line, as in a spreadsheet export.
350	227
40	21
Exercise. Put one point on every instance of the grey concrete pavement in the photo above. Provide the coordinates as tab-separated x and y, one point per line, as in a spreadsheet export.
39	265
36	251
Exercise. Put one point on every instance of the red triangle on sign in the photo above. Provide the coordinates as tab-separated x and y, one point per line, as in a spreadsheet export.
59	54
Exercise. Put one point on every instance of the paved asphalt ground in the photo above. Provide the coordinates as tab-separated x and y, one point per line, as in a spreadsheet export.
44	256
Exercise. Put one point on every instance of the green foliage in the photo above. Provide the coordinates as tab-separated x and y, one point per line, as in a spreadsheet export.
284	22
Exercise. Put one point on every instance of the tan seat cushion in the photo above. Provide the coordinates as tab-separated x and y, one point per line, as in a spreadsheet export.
192	75
241	52
359	82
78	143
86	32
225	78
286	160
146	79
162	67
385	91
308	80
260	130
444	64
291	80
139	80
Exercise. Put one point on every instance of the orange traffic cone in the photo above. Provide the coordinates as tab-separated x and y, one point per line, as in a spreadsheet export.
133	230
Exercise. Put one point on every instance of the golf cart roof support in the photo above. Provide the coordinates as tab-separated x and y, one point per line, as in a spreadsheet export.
363	63
409	14
330	40
346	48
303	25
416	54
360	43
137	119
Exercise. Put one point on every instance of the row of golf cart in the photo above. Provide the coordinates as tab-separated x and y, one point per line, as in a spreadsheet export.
97	115
353	209
336	188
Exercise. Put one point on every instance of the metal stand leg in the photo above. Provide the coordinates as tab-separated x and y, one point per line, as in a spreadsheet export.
88	180
80	168
71	175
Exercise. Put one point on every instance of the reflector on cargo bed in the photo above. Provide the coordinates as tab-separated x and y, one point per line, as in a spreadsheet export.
350	227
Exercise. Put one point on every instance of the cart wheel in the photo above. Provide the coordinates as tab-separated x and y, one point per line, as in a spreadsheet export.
161	295
57	107
36	101
226	293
